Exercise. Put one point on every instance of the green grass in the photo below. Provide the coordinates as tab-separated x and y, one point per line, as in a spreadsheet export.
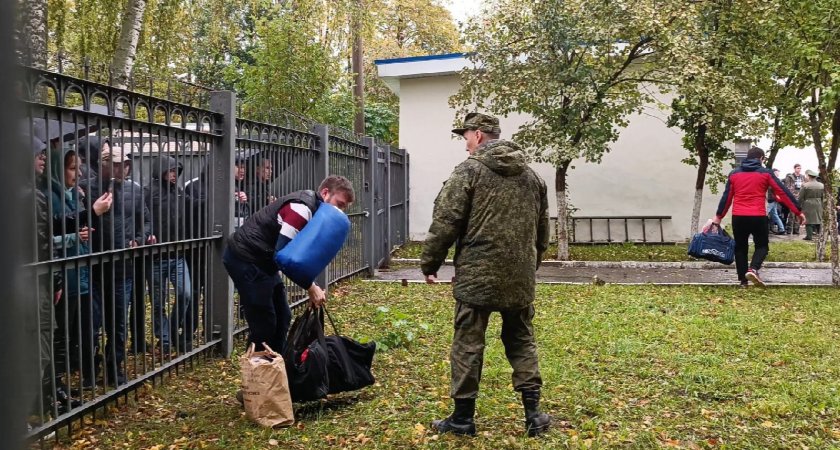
623	367
786	251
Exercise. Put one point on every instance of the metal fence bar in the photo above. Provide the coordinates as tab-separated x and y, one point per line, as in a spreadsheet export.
322	169
180	277
222	215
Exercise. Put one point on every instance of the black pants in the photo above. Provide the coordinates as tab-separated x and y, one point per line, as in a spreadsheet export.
263	298
742	228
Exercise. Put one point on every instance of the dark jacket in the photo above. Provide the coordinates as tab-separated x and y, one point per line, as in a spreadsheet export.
89	149
198	189
255	241
259	193
746	191
494	208
127	220
69	216
169	206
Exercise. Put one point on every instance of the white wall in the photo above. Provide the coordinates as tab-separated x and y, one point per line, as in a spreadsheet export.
642	175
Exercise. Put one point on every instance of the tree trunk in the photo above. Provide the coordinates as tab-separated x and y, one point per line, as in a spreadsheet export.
776	143
358	72
829	183
132	23
702	168
833	235
32	33
562	224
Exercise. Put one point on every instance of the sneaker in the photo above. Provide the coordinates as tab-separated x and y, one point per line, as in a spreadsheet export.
752	275
744	284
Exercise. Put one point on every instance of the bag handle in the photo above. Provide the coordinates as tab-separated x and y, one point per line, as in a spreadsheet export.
335	329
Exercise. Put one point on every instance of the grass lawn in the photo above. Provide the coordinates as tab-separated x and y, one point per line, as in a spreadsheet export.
796	251
629	367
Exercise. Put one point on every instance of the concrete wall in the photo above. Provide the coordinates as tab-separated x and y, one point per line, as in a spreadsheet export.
642	175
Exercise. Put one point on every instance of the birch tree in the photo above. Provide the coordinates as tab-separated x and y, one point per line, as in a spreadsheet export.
575	67
31	33
123	62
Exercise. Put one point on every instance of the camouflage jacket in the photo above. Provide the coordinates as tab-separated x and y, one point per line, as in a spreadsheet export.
495	209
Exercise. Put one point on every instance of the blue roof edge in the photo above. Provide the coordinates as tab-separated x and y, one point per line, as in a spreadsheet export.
380	62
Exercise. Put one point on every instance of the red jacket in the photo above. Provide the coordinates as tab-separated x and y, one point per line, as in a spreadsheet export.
746	191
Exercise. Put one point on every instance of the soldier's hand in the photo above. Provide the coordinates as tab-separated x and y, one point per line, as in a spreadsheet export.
431	279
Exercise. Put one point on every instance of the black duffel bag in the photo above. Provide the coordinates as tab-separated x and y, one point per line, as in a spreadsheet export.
318	365
306	358
349	362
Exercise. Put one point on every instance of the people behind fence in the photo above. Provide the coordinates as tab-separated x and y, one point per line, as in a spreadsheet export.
127	225
811	200
745	192
793	181
171	209
494	209
259	190
78	309
773	209
249	258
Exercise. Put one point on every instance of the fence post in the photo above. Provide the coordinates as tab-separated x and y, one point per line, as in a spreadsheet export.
405	197
388	243
322	170
223	102
368	237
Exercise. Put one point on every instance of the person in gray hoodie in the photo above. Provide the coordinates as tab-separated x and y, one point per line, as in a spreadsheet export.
170	210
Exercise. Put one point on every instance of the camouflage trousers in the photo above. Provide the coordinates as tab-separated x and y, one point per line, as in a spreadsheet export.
467	357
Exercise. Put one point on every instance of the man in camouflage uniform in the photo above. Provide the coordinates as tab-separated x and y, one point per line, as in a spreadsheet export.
494	208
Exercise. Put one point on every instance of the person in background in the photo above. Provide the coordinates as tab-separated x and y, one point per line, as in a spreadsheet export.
78	310
773	209
746	190
793	182
811	199
260	193
171	209
126	225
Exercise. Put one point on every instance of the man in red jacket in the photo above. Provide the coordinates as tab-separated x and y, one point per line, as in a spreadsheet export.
746	190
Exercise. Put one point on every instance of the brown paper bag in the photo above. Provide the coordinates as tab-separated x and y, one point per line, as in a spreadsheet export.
265	388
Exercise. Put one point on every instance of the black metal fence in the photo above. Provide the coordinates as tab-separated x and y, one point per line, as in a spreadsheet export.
133	197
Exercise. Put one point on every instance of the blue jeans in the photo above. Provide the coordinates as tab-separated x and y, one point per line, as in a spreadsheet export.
774	217
262	295
166	326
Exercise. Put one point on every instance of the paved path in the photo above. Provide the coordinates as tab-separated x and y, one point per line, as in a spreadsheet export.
625	273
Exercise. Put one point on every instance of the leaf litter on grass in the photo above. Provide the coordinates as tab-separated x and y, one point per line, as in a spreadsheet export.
623	366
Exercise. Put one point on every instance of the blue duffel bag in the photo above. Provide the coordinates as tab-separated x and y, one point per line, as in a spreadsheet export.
713	244
309	253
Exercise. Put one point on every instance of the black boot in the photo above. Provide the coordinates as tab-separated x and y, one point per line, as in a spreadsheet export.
536	422
461	421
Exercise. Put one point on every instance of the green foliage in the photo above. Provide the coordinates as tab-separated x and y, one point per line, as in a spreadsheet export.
399	329
574	66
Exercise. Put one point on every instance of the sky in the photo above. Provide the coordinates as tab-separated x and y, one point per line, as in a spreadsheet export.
462	9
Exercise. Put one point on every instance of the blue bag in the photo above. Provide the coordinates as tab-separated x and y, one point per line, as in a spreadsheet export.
713	244
311	251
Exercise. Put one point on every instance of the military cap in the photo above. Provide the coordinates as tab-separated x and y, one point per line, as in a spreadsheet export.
479	121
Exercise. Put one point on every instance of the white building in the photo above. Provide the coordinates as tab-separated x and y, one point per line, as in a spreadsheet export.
642	175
